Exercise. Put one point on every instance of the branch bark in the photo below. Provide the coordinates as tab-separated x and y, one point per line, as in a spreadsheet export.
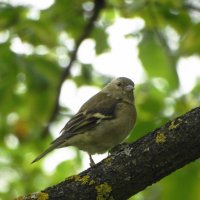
133	167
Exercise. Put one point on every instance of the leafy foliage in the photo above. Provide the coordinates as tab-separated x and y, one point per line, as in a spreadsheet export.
29	82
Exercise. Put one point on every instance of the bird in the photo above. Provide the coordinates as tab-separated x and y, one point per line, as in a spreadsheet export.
102	122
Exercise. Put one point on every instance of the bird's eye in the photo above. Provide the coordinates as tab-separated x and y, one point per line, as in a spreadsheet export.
119	84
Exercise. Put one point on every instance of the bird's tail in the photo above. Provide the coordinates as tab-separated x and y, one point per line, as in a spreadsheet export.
52	147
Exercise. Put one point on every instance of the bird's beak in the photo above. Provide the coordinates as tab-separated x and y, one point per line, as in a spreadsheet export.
129	88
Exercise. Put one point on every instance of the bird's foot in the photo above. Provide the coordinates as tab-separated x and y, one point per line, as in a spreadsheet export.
92	163
117	148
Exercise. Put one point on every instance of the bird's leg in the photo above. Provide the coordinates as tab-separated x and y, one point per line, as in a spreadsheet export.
92	163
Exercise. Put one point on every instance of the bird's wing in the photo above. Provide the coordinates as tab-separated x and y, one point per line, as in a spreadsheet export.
95	110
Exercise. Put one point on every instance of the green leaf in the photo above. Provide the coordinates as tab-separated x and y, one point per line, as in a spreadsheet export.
191	43
100	36
156	61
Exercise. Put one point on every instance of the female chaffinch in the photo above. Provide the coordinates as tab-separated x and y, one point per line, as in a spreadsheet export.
102	122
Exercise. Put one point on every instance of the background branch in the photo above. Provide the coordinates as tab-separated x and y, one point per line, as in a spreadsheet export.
132	167
98	6
191	7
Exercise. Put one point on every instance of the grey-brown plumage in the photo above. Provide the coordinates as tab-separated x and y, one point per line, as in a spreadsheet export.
102	122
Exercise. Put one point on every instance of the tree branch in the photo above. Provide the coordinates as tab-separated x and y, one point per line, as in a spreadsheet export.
133	167
191	7
98	6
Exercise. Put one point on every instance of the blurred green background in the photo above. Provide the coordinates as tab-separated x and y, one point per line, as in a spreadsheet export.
33	55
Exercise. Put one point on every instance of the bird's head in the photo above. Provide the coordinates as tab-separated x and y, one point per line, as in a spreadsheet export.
121	87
